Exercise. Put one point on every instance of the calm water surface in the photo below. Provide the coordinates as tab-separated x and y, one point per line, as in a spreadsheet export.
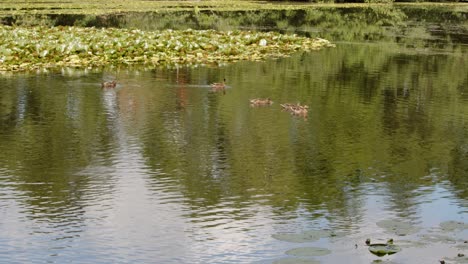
164	170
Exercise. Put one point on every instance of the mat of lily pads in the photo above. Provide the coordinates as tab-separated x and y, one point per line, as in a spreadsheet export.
29	48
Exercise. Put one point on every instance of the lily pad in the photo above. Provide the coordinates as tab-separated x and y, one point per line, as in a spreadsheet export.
296	261
47	47
437	238
384	249
453	226
308	252
307	236
458	259
412	244
397	227
463	246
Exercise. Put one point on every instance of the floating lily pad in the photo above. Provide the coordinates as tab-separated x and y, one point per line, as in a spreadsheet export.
412	244
453	225
458	259
437	238
47	47
308	252
382	261
307	236
296	261
397	227
384	249
463	246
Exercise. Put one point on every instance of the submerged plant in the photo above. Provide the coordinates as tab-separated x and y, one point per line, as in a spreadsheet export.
27	48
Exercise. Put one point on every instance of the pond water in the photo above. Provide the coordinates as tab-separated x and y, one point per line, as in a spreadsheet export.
162	169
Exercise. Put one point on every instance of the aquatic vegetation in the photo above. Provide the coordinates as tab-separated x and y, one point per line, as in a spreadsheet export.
414	243
437	238
306	236
27	48
397	227
453	226
308	252
296	261
459	259
119	6
384	249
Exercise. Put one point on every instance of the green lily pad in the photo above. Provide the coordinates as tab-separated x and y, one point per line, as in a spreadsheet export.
458	259
308	252
412	244
46	47
296	261
437	238
307	236
462	246
397	227
384	249
453	226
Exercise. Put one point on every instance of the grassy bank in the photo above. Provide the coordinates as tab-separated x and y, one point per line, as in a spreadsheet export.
35	7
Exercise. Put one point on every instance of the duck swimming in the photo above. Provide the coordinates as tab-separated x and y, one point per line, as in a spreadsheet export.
296	109
220	85
110	84
301	110
261	101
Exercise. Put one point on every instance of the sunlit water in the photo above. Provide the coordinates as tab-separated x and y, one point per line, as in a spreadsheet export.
163	169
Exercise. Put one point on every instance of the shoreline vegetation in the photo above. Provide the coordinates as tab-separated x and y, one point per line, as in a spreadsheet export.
77	7
32	48
48	33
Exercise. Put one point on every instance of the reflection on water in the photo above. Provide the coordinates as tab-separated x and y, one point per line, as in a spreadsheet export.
163	169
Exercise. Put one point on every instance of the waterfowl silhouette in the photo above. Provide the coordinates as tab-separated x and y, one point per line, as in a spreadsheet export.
296	109
220	85
110	84
261	101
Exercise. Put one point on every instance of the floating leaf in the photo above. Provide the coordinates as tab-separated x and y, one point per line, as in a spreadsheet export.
398	227
458	259
296	261
453	225
307	236
384	249
26	48
308	252
437	238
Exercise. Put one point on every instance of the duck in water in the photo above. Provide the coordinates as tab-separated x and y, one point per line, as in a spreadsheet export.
296	109
261	102
220	85
110	84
